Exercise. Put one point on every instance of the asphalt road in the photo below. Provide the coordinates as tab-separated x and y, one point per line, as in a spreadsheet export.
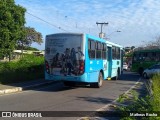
57	97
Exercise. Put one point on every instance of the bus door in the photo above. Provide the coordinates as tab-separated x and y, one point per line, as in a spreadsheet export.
109	62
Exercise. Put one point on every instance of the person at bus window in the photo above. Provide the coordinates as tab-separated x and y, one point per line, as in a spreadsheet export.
79	53
73	58
47	50
66	54
54	62
79	56
63	68
68	61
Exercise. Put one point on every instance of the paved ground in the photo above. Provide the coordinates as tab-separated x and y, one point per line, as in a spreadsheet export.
57	97
18	87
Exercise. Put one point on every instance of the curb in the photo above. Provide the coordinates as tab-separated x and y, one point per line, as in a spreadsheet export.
20	89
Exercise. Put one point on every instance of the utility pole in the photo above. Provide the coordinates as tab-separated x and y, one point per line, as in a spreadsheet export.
101	34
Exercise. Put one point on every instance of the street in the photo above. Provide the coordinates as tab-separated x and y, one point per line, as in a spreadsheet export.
57	97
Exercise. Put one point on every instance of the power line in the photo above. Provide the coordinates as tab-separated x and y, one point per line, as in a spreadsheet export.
53	24
50	23
47	22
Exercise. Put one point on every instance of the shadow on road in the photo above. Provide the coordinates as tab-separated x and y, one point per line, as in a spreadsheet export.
129	76
58	86
99	100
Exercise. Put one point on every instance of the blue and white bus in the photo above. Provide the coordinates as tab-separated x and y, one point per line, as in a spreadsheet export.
81	58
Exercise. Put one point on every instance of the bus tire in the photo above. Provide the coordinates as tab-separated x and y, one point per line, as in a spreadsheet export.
118	74
99	83
140	71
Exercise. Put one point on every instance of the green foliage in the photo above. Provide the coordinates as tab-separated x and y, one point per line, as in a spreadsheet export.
11	22
141	105
31	35
144	65
148	104
156	92
129	54
31	48
28	68
121	98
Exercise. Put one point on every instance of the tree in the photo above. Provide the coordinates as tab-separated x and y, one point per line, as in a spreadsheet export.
12	21
154	44
30	36
132	48
157	42
27	48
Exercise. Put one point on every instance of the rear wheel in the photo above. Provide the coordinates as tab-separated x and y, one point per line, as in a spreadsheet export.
99	83
140	71
117	76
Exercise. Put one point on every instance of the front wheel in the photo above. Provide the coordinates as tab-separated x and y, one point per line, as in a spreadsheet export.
99	83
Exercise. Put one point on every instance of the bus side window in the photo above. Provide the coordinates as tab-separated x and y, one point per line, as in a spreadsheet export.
104	51
98	50
91	49
117	53
113	52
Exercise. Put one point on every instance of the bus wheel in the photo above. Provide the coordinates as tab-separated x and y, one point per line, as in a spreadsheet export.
117	76
99	83
140	70
70	84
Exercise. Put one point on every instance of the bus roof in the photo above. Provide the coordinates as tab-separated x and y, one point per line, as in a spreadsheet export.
90	36
65	33
147	50
104	40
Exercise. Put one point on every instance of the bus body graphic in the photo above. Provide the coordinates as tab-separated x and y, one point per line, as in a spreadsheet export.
80	57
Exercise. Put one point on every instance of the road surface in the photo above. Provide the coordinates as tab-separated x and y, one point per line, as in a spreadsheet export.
57	97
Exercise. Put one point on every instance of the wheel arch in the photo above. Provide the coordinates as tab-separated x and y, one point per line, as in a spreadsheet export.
102	73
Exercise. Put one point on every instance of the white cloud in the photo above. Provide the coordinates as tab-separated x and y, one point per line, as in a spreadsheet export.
137	19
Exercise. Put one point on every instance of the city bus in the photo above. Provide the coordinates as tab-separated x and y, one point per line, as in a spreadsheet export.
145	58
81	58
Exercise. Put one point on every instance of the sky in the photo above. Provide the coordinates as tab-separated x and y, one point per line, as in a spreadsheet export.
138	20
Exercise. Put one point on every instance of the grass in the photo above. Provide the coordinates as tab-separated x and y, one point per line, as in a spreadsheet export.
28	68
147	104
156	93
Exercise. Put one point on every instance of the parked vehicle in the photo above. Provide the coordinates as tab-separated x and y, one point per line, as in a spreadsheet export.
155	69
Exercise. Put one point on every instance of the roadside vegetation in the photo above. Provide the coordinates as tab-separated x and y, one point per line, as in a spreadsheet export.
14	35
29	67
142	105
